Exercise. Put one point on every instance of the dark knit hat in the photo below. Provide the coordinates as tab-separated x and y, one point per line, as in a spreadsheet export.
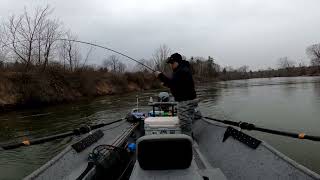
176	57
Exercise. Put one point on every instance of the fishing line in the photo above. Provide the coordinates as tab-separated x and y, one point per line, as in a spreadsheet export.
95	45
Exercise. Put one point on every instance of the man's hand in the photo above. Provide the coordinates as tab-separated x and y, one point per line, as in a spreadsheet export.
157	73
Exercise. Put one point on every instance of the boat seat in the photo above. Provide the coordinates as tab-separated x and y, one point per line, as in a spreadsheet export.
164	151
171	156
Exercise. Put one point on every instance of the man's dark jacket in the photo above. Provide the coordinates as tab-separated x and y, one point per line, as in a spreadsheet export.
181	84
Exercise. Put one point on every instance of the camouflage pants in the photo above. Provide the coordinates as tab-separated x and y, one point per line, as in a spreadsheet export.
186	114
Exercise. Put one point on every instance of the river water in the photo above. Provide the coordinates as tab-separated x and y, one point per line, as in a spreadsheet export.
291	104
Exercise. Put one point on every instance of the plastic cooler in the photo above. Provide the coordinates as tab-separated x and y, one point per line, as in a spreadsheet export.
162	125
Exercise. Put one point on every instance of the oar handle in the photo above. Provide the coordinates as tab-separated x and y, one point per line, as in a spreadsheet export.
36	141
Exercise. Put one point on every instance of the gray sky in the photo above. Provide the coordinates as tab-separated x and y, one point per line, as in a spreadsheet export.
235	32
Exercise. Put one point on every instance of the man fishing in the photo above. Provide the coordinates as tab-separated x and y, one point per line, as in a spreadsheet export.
182	88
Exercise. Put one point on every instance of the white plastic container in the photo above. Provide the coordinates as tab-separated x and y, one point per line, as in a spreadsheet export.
162	125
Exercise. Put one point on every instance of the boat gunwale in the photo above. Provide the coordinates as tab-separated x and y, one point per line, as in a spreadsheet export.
117	142
66	150
287	159
48	164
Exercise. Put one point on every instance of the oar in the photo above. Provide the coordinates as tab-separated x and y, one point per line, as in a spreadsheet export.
77	131
249	126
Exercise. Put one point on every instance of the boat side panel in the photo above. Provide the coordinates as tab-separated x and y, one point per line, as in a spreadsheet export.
238	161
72	164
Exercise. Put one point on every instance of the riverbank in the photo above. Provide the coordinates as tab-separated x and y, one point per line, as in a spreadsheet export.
32	89
19	90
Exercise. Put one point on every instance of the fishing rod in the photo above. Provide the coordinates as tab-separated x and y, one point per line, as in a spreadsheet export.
95	45
77	131
249	126
103	47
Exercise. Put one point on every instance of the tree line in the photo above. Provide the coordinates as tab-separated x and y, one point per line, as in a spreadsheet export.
30	41
208	68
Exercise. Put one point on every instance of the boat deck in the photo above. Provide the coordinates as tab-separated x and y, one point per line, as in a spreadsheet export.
212	159
69	164
237	161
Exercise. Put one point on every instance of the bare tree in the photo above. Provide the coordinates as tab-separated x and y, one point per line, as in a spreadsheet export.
3	50
23	31
86	59
140	67
243	69
302	64
313	52
112	63
50	34
32	36
69	53
285	63
204	67
160	56
199	67
229	68
121	67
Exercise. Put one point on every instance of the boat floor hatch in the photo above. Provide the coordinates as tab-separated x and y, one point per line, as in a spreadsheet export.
198	170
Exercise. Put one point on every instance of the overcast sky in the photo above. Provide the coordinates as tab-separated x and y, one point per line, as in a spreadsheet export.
234	32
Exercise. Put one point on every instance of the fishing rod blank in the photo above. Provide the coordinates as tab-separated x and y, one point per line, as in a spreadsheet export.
95	45
103	47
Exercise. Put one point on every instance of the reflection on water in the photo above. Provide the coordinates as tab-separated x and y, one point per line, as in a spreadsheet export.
281	103
316	91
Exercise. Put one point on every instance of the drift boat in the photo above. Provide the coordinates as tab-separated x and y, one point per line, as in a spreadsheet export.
154	148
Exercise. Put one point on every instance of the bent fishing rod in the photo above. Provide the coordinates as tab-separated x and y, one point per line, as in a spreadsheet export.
95	45
77	131
249	127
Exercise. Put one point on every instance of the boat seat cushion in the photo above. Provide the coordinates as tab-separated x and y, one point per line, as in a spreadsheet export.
164	151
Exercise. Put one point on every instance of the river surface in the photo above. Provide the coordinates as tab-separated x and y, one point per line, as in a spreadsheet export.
291	104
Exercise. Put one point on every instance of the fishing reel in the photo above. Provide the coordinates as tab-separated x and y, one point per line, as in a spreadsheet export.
109	160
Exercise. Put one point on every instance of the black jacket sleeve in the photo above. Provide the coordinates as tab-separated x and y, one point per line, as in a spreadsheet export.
168	82
176	80
181	84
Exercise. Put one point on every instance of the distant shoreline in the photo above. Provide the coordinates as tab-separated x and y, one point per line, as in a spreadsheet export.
31	90
39	93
